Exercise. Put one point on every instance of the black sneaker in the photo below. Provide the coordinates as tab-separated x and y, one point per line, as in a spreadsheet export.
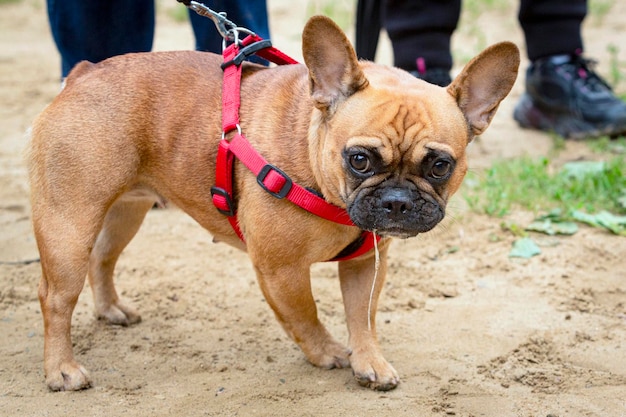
437	76
564	95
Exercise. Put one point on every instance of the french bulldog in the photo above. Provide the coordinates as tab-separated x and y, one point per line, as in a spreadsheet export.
137	129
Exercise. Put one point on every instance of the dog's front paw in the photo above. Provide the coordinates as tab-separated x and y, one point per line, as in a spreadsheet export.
69	377
374	373
118	313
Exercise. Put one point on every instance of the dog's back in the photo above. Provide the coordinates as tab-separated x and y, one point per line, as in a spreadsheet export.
112	117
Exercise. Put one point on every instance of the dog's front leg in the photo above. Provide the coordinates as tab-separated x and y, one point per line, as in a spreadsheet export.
287	289
360	297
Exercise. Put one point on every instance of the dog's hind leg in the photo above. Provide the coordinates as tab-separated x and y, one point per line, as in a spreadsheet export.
120	225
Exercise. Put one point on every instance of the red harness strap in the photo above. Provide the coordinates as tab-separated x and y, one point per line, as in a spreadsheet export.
269	177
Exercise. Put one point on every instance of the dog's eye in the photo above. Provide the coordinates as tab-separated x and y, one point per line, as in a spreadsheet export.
440	169
360	163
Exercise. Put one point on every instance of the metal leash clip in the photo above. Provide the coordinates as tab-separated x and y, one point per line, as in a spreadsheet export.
229	30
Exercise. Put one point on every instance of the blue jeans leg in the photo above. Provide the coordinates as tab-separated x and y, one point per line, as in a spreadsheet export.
94	30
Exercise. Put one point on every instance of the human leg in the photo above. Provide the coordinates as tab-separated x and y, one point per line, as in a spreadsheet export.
96	30
420	33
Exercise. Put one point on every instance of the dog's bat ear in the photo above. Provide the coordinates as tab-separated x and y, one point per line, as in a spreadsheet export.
484	83
334	70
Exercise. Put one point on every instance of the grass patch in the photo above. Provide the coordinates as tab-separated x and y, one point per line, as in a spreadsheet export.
537	185
173	10
617	70
178	14
599	9
341	11
605	145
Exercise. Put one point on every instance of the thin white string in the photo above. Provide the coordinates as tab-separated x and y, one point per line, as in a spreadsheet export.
376	266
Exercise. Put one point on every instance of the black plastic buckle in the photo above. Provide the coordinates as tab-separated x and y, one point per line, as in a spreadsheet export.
284	190
246	51
230	211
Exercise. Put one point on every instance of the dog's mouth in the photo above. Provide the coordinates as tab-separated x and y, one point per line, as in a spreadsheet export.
395	233
398	214
398	232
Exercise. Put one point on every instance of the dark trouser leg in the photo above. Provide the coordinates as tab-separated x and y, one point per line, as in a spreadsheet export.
421	29
552	27
98	29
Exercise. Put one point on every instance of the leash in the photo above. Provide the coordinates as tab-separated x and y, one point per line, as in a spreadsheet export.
269	177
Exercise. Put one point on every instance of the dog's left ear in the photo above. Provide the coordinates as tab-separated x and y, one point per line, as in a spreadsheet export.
334	70
484	83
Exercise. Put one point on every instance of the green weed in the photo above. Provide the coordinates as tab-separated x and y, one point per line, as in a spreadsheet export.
472	28
617	70
178	14
341	11
537	185
599	9
173	10
605	145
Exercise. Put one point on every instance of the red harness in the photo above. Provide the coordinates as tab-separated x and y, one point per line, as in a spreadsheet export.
269	177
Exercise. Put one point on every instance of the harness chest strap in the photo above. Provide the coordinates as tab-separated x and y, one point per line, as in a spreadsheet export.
269	177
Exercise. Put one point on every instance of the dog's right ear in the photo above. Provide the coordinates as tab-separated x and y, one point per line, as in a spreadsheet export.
334	70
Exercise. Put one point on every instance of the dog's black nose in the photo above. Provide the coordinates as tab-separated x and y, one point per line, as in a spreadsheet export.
396	203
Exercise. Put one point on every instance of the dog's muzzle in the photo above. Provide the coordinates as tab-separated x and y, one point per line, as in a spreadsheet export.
396	212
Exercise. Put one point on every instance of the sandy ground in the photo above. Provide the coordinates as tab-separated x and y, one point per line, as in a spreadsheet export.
471	331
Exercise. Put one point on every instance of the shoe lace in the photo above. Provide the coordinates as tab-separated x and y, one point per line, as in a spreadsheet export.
583	69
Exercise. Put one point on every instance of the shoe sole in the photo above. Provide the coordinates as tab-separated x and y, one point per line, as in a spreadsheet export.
529	116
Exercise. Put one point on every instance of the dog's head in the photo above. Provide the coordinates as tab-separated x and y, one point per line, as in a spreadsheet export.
387	146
